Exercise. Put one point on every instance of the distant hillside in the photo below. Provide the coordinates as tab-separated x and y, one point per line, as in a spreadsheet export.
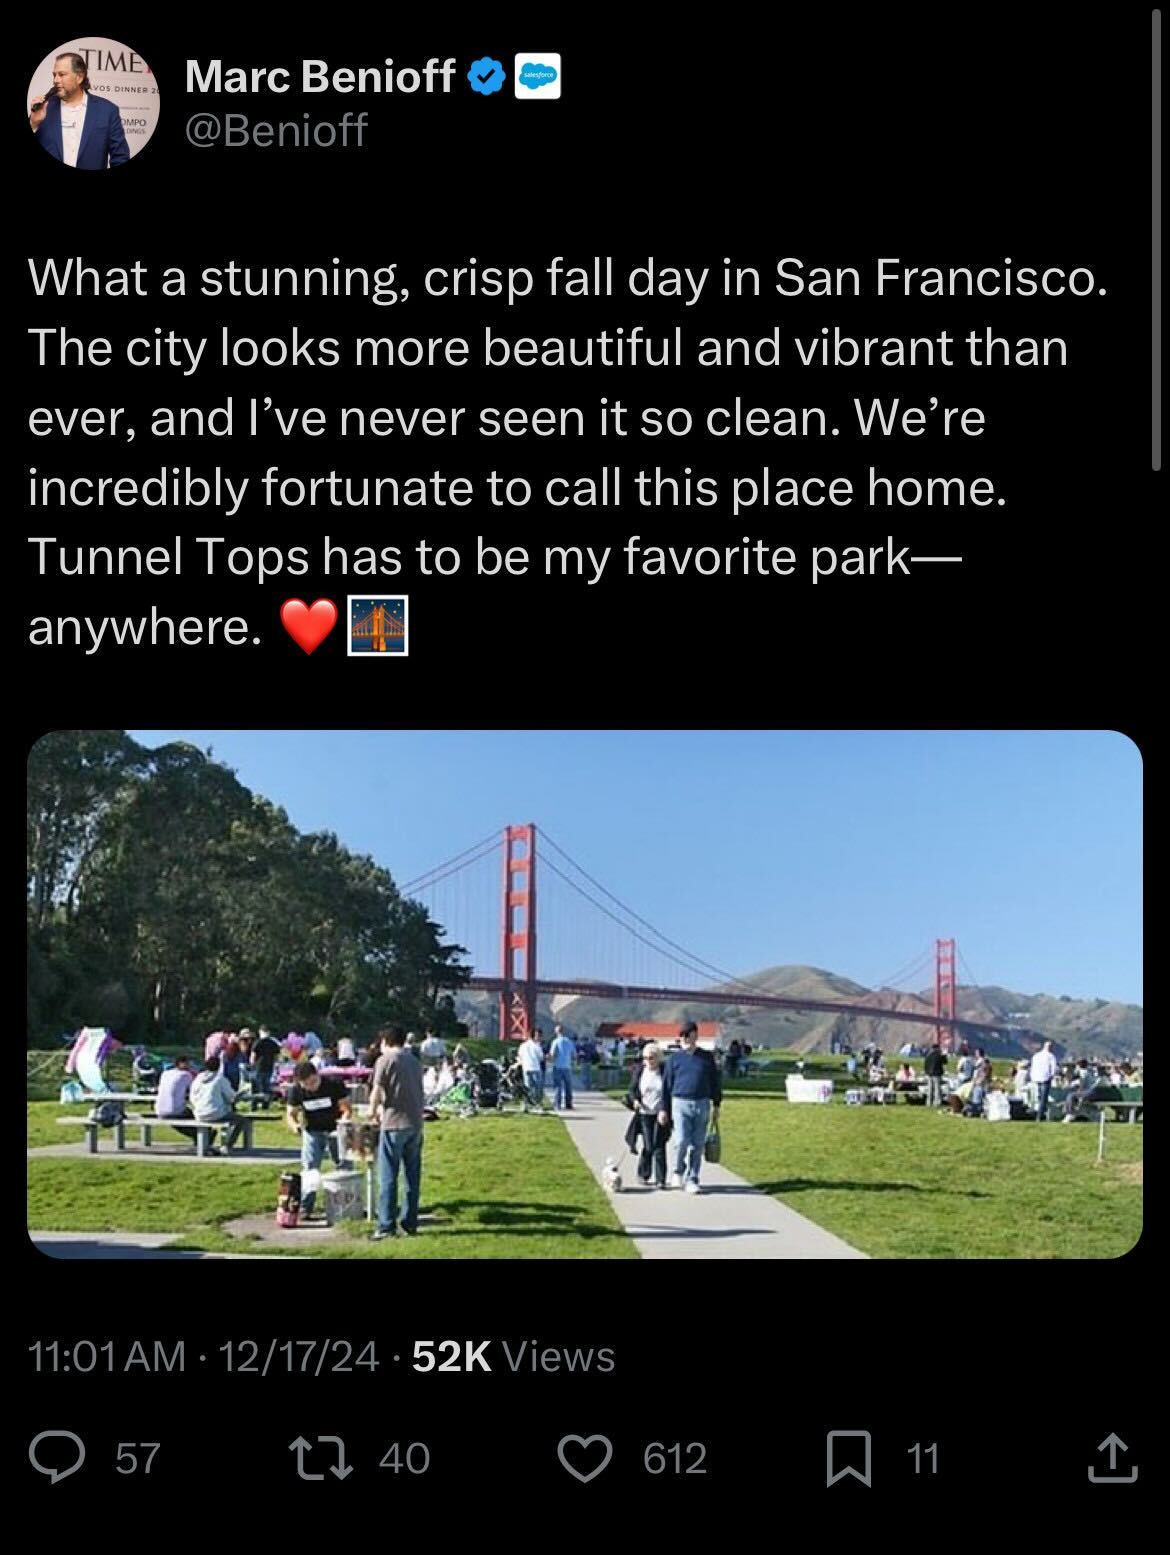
1077	1026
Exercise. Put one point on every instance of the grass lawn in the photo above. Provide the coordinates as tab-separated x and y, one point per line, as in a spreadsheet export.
895	1182
905	1182
493	1187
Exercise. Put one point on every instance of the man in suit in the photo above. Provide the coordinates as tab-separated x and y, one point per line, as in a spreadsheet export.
75	127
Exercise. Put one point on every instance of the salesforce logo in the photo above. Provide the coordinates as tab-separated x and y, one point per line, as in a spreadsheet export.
537	76
534	76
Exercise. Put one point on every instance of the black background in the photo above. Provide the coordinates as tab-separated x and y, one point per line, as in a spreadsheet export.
956	138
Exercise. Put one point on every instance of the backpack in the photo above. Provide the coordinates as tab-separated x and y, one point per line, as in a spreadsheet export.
107	1114
288	1204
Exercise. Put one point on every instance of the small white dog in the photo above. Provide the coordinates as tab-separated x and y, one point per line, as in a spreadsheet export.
611	1177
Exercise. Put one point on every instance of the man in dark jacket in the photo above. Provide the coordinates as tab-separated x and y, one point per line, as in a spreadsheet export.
696	1092
76	128
265	1051
934	1066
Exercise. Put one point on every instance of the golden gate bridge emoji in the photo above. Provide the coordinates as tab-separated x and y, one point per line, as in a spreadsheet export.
377	625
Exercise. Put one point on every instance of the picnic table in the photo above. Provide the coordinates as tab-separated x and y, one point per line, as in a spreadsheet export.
1121	1105
1127	1099
95	1098
146	1123
1132	1107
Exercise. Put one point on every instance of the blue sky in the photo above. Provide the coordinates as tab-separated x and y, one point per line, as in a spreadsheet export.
851	851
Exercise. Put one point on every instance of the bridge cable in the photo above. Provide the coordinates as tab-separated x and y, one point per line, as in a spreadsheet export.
966	968
920	962
698	965
429	884
495	840
696	971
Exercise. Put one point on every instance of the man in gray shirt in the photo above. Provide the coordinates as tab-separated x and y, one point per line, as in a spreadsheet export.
396	1103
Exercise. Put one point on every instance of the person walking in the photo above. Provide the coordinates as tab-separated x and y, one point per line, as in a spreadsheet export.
587	1053
1044	1068
531	1058
934	1066
696	1093
396	1104
561	1054
650	1098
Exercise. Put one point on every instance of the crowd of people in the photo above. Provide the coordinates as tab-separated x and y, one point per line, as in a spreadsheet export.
670	1096
673	1095
1029	1082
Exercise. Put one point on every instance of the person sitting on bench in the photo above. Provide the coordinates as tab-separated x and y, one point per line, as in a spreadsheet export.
213	1101
174	1091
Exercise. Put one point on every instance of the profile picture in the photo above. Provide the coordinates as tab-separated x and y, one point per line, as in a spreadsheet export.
93	103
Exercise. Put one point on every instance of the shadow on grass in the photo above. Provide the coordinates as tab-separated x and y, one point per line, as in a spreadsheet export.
503	1209
512	1217
800	1184
586	1233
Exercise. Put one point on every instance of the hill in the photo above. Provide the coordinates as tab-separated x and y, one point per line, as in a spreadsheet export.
1077	1026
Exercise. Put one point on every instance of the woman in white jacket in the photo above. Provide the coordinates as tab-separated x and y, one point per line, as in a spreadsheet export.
213	1101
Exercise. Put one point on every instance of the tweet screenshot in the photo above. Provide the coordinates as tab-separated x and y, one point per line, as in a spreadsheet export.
668	1043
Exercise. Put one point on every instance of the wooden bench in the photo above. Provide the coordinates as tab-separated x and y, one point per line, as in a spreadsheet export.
147	1123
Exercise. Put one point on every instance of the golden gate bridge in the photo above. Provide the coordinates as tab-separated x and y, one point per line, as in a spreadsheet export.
378	625
519	983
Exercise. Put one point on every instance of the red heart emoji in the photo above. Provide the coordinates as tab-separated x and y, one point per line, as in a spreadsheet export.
308	625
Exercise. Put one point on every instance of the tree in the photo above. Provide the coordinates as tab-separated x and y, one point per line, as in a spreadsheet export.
74	778
167	899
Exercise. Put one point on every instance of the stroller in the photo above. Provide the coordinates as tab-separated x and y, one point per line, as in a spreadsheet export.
487	1086
146	1072
455	1102
512	1086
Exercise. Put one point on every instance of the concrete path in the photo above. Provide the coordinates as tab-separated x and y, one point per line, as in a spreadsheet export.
728	1219
117	1244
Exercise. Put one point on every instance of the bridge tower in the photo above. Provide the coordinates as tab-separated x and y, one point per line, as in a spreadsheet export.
518	946
945	990
379	629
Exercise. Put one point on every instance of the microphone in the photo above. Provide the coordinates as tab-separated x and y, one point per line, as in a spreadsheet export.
52	92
